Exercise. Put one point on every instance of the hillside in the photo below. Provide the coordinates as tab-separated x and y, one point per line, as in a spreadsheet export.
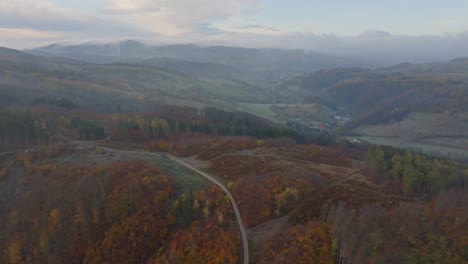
388	92
421	107
107	87
91	155
386	99
458	66
204	69
93	202
233	132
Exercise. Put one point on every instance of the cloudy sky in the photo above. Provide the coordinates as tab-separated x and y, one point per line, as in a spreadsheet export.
336	26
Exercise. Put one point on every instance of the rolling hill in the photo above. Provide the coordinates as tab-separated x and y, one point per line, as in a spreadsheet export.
423	107
388	92
26	77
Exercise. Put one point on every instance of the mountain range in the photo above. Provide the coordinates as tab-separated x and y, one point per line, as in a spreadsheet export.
258	60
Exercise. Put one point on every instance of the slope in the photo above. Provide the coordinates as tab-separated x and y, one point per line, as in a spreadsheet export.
27	77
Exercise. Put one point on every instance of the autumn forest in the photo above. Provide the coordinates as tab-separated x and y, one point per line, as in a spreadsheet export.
134	163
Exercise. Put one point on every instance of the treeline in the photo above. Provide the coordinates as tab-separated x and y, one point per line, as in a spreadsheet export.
87	130
412	173
22	128
169	121
6	99
210	121
63	102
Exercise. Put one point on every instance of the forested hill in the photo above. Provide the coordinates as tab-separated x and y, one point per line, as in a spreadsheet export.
392	98
387	94
108	87
25	78
90	159
11	55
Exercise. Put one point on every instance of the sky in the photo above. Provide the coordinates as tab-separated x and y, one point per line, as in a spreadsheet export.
332	26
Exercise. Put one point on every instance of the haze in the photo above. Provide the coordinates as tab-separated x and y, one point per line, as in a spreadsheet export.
416	31
233	131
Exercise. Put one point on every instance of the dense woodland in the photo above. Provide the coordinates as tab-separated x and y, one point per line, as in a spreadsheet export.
84	212
126	212
415	174
304	198
174	121
430	232
22	128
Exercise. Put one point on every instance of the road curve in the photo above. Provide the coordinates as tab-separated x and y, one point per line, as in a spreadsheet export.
245	241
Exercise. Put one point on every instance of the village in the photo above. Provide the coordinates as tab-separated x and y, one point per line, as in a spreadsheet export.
326	127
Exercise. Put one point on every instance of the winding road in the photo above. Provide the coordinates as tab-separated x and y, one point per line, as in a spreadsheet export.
245	241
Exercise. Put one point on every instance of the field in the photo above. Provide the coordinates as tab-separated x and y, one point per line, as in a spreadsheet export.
261	110
230	91
437	134
309	113
424	147
184	102
186	181
281	113
419	125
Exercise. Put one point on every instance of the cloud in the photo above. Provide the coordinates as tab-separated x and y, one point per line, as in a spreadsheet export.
258	26
38	15
375	34
381	47
29	34
19	37
170	19
44	16
27	23
179	17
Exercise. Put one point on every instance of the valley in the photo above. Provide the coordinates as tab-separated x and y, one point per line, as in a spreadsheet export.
233	132
133	153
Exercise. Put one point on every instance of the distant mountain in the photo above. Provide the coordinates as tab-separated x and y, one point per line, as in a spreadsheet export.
277	60
85	49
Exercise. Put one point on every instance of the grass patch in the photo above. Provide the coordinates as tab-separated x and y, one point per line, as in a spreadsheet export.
261	110
417	147
418	125
230	91
186	180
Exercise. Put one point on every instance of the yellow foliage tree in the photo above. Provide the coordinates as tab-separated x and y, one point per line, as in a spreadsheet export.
14	253
54	219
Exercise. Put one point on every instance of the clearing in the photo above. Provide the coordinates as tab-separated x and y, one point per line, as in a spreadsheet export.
438	134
